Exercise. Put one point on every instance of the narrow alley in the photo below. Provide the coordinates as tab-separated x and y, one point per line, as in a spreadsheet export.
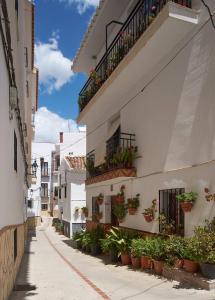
51	269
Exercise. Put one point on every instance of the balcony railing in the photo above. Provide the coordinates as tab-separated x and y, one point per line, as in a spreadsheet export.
120	154
138	21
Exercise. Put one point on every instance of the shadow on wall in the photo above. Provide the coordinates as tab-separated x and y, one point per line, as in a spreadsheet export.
23	288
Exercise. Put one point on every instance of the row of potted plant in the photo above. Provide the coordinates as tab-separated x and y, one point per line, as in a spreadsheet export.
59	227
153	252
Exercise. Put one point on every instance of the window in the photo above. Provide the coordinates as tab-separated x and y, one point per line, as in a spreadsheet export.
56	191
95	206
44	206
27	88
15	243
171	209
30	203
26	57
44	190
65	191
44	169
16	7
15	151
57	162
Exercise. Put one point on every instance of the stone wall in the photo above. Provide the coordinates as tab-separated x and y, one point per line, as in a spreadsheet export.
9	265
33	222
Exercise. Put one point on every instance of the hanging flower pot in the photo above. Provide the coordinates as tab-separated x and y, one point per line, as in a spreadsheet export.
186	206
119	199
148	217
133	204
190	266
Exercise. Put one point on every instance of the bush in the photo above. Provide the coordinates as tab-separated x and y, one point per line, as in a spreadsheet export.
157	248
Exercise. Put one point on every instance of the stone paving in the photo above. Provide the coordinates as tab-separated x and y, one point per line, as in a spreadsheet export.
57	271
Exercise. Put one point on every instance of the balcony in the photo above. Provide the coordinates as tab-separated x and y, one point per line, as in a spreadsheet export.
142	16
120	155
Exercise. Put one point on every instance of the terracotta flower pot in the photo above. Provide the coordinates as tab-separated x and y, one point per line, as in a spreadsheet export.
148	218
186	206
119	199
125	259
132	211
135	262
158	266
99	201
145	262
190	266
179	263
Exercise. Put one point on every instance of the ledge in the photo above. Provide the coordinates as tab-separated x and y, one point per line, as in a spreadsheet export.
111	175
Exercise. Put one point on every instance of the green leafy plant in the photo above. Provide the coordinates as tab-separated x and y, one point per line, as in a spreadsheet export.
119	210
187	197
137	247
166	226
175	246
157	248
95	235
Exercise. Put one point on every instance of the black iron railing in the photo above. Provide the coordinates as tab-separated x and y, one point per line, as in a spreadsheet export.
120	153
138	21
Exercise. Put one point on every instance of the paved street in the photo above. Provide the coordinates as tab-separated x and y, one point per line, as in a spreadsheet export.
59	272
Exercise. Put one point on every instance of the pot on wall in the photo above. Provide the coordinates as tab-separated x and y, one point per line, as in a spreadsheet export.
208	270
148	218
190	266
186	206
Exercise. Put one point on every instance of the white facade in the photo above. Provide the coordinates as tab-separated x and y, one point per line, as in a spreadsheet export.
73	196
16	110
36	198
163	92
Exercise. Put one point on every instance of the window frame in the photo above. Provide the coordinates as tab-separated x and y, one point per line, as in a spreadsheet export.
44	190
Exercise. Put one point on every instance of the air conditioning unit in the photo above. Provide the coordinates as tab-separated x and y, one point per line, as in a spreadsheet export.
13	97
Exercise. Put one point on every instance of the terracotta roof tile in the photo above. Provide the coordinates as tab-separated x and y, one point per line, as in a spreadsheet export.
76	162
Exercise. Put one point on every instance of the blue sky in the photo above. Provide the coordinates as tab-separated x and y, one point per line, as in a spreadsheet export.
59	29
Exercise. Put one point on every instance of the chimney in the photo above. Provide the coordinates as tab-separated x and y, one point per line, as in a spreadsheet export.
61	137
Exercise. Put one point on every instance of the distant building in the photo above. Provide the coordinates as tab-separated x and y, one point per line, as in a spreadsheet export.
72	174
39	193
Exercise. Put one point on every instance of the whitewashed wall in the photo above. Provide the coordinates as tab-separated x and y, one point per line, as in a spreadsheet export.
174	121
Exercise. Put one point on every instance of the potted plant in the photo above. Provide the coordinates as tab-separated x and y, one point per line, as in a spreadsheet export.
110	245
166	226
61	231
206	248
158	254
190	255
175	249
86	241
148	214
187	200
100	199
77	240
146	245
95	235
136	252
119	199
85	211
133	204
119	210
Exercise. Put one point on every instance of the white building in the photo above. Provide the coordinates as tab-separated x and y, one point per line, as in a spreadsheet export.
70	144
18	97
72	174
39	193
153	87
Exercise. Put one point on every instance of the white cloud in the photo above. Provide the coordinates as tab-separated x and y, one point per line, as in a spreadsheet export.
49	124
54	67
82	5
